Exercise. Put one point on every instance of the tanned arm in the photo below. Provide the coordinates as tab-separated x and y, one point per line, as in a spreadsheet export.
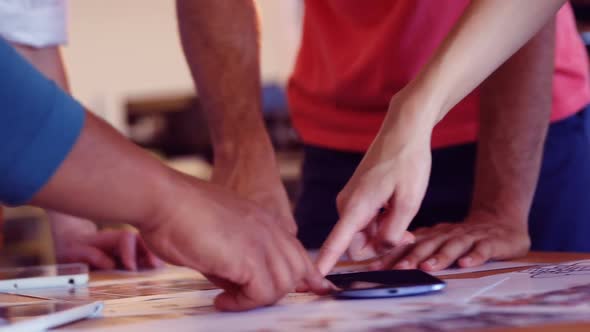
221	43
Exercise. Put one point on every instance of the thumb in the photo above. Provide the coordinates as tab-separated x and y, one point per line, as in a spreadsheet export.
363	243
395	221
231	299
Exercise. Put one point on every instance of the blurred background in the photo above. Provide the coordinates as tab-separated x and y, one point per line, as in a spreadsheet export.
124	62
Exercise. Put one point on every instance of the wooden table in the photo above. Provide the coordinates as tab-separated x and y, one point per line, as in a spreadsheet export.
532	257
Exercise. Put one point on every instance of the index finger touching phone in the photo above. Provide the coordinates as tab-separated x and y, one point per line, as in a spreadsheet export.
336	244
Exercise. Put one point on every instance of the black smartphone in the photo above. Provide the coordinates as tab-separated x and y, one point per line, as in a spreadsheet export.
379	284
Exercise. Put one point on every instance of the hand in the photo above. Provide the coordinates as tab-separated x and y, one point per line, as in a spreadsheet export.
481	237
254	175
79	241
385	192
233	242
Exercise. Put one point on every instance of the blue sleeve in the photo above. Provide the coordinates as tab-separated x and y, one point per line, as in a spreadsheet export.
39	124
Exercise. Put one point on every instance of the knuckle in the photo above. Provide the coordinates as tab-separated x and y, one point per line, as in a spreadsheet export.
457	230
444	258
343	205
463	241
477	254
407	205
486	243
344	199
427	247
526	243
447	253
453	245
440	226
340	199
479	248
414	257
291	227
482	249
419	253
237	273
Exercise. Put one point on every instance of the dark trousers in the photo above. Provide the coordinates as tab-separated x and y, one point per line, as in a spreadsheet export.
560	215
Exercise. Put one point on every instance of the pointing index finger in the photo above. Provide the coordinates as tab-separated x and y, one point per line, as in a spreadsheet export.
336	243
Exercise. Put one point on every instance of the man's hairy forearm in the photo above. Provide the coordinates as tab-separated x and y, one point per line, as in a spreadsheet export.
515	110
221	43
220	39
107	178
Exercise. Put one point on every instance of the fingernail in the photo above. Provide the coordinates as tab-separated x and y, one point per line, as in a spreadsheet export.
402	265
376	266
327	284
467	260
408	242
408	238
432	261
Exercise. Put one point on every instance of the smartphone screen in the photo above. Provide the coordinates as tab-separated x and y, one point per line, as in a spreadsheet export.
385	283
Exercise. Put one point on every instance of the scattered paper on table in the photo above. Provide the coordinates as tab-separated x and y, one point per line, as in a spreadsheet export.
490	266
536	295
563	286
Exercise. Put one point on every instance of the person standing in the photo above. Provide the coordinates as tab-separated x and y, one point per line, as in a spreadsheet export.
371	82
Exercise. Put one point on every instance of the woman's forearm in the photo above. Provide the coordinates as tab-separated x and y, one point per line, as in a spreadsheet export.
487	34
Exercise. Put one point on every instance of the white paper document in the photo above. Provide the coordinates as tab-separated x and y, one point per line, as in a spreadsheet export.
563	286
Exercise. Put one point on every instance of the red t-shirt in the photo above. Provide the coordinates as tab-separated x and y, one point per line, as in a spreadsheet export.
355	55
